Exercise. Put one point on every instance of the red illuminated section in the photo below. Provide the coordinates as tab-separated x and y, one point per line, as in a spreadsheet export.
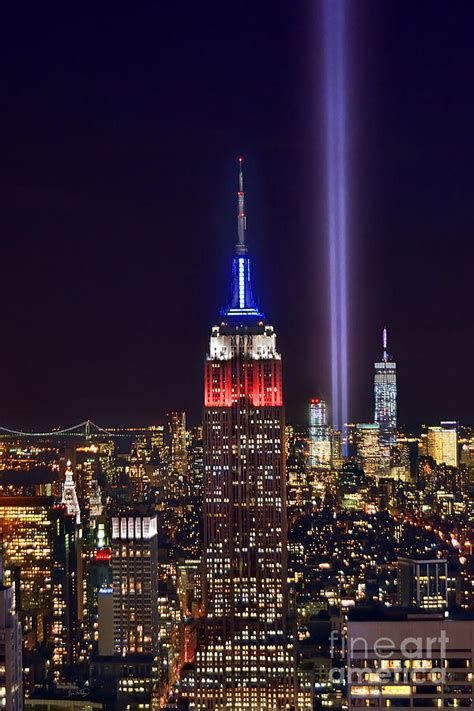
226	382
103	554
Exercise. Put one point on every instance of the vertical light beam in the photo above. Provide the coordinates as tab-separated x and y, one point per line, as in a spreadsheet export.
335	112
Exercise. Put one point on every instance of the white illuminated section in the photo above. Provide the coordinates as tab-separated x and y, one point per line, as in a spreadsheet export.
134	527
257	346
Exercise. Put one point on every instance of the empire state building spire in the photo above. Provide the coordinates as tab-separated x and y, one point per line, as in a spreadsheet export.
242	308
242	218
384	342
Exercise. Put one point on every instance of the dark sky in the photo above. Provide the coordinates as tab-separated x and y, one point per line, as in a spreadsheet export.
120	126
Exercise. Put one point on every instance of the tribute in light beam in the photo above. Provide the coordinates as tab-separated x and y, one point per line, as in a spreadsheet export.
336	200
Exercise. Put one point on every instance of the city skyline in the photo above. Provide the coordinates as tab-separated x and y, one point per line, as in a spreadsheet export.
236	439
79	144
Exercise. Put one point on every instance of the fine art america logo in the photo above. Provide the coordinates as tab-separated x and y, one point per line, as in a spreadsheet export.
413	660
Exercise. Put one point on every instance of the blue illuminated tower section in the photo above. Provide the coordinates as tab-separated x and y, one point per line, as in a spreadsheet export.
385	390
247	659
242	303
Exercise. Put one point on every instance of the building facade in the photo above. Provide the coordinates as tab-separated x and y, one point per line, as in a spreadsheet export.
442	444
368	447
419	661
422	582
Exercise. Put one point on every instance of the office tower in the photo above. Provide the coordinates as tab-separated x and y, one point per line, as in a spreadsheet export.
26	533
137	473
179	463
385	390
418	661
11	686
298	479
368	447
319	440
442	444
67	585
248	659
422	582
135	582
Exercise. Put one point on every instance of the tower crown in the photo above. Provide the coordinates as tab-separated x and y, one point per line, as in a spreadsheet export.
69	495
242	306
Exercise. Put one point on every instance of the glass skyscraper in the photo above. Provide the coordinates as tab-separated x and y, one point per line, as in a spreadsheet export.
319	438
385	390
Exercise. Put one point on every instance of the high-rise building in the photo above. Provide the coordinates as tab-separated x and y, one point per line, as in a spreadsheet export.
248	659
135	582
11	686
67	586
179	461
368	447
319	439
385	391
422	582
442	444
137	473
26	534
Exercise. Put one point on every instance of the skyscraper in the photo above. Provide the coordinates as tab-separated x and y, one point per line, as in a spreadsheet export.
368	447
248	659
385	390
27	538
135	582
179	457
319	440
442	444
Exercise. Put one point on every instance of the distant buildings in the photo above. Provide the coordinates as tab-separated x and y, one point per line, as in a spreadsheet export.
319	437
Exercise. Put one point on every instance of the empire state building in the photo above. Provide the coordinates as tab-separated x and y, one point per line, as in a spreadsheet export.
247	660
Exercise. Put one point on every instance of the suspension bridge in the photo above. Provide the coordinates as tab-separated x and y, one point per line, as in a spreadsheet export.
84	430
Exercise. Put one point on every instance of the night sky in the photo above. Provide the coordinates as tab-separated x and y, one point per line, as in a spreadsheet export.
120	126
